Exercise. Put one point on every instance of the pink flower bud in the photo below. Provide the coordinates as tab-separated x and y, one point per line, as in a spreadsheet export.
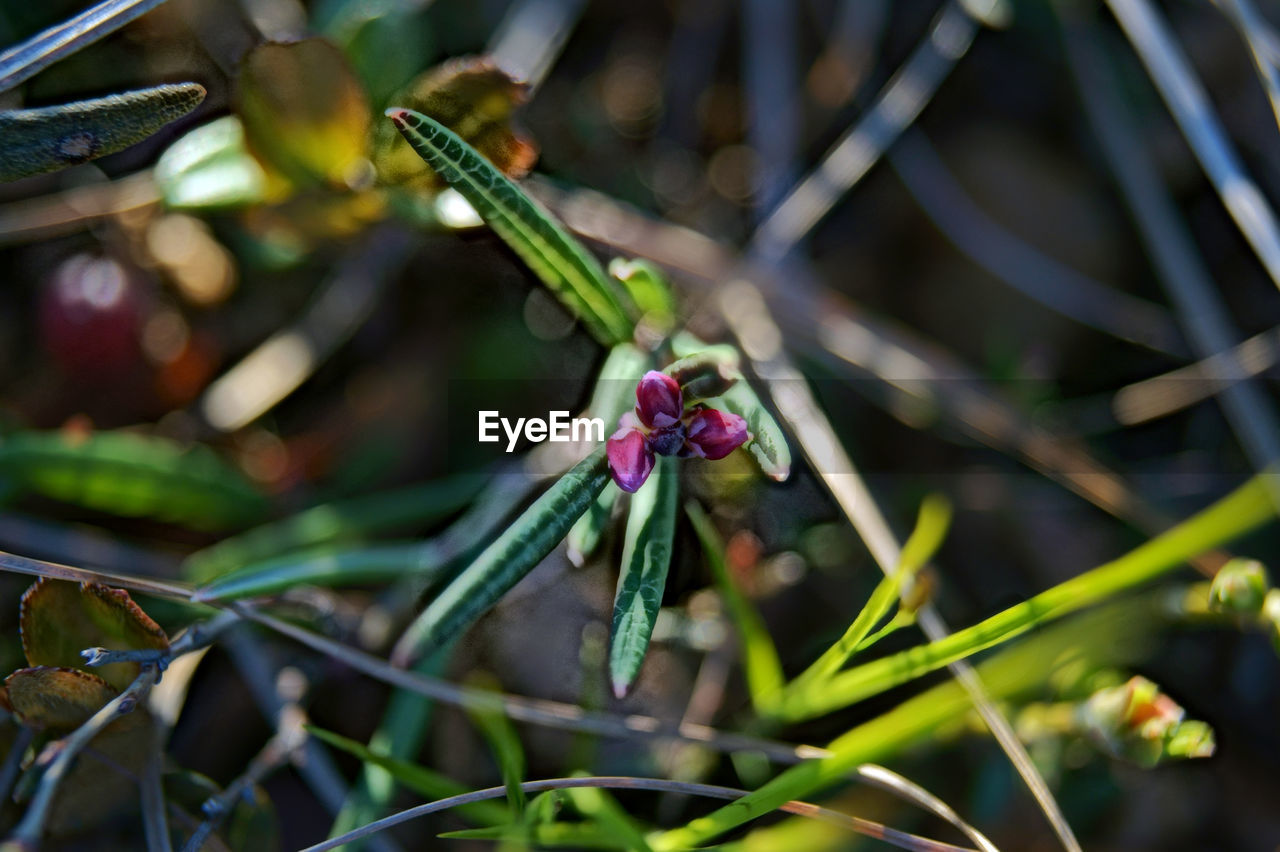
713	434
658	400
630	459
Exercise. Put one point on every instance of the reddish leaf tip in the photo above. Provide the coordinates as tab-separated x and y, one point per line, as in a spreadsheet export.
620	689
397	114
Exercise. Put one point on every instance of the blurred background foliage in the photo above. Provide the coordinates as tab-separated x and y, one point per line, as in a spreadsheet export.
391	313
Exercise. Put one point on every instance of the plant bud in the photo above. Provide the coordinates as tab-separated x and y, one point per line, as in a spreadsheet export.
1239	587
706	374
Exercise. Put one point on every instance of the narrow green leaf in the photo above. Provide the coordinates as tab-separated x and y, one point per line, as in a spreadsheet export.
323	566
1244	509
425	782
760	655
502	564
931	528
562	263
584	537
346	520
647	285
52	138
768	444
132	475
614	395
646	556
504	742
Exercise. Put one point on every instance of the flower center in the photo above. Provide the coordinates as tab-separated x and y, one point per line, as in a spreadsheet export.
668	440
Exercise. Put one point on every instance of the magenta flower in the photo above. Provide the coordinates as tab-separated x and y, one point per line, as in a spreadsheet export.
659	425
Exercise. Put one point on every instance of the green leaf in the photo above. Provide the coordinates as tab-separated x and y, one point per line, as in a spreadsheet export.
323	566
562	263
210	168
60	619
503	741
415	505
502	564
760	655
647	285
646	556
52	138
132	475
931	528
768	444
429	784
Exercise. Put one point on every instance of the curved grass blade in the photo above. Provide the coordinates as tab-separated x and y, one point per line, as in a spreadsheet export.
322	567
931	527
1241	511
132	475
760	655
425	782
503	563
25	60
562	263
646	556
768	444
51	138
504	742
345	520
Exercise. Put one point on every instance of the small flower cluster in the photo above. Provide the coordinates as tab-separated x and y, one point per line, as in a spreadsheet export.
661	425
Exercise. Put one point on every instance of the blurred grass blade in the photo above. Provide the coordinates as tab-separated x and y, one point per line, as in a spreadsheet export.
600	806
502	564
399	737
931	527
554	835
51	138
322	566
210	168
646	556
25	60
760	655
1245	509
567	268
411	506
647	285
425	782
768	444
503	741
132	475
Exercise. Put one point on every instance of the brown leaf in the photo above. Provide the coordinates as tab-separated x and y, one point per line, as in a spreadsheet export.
473	98
305	115
60	619
52	697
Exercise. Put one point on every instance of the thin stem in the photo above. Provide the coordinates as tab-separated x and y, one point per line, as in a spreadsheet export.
877	830
154	820
13	760
27	59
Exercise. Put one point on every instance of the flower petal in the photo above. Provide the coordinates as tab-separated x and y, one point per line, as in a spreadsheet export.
713	434
630	459
659	402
